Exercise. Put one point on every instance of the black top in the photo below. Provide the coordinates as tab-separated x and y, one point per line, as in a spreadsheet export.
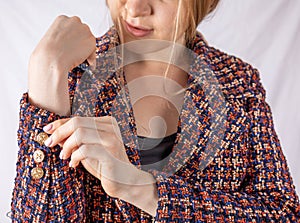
153	150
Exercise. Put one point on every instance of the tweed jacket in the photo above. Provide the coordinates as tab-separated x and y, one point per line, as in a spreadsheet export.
246	179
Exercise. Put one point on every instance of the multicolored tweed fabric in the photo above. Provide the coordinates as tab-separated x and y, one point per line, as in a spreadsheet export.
247	180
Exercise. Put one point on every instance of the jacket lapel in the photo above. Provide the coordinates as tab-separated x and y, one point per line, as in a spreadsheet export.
207	123
202	120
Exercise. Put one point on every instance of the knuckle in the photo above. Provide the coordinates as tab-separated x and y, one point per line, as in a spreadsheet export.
76	19
59	122
86	27
80	132
113	120
110	117
56	134
76	122
113	144
61	17
83	150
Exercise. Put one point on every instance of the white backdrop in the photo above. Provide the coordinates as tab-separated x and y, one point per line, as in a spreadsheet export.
264	33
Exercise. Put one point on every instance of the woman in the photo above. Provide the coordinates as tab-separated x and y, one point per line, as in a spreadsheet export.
223	157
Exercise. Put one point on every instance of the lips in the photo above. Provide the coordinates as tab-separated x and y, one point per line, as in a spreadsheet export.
137	31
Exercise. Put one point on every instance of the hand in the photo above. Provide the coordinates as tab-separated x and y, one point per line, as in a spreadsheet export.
97	144
67	43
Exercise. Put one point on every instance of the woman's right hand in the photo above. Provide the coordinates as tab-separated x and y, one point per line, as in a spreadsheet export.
67	43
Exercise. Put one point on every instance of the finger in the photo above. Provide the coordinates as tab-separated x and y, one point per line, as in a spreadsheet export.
61	144
51	127
65	130
109	124
88	151
92	60
104	123
79	137
62	130
106	119
60	133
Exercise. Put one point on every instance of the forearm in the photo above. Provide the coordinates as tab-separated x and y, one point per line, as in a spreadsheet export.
48	85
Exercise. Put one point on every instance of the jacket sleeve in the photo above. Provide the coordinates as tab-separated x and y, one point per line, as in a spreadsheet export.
45	189
268	194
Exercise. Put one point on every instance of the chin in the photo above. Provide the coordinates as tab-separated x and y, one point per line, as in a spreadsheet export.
141	46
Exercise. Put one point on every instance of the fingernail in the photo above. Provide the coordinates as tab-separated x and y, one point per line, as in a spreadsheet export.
48	141
61	155
47	127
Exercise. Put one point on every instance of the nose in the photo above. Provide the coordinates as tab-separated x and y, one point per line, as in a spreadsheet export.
138	8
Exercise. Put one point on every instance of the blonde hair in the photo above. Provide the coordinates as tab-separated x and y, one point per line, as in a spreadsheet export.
197	11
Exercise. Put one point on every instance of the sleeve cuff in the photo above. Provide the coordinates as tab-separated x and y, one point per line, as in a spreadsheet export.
32	120
173	196
41	116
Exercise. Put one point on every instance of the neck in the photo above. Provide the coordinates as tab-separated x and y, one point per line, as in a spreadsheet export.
148	68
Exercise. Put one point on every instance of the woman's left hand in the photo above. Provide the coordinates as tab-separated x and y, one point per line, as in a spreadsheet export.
98	145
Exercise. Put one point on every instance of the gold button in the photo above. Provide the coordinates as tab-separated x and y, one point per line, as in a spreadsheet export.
38	156
37	173
41	138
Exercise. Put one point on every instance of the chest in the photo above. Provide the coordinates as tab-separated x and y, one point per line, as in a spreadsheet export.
155	117
156	103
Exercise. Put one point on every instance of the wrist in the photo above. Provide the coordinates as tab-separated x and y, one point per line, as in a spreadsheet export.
142	194
42	60
53	104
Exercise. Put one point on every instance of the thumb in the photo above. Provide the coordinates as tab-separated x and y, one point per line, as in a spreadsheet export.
92	60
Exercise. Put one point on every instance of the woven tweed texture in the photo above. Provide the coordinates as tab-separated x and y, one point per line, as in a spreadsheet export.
246	180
